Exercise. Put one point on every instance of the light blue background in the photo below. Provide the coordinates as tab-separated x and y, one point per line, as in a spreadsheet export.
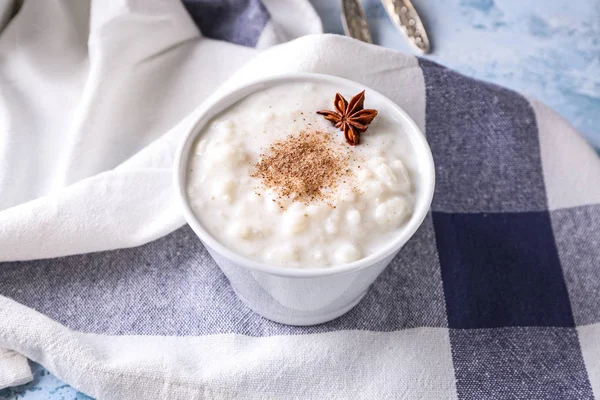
547	49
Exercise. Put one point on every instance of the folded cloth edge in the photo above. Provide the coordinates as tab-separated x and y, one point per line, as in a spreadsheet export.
15	369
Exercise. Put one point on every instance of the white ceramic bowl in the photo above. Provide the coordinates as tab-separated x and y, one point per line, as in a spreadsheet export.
306	296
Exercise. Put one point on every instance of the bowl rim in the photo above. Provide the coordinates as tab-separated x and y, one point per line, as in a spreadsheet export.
221	100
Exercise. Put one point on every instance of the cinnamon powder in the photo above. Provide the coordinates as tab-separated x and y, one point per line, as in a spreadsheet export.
302	166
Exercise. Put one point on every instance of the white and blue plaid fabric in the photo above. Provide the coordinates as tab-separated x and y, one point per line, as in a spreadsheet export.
497	296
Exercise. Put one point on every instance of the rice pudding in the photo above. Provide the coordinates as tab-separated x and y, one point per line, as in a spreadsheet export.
276	182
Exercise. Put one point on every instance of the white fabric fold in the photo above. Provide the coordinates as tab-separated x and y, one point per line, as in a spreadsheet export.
93	100
289	19
14	369
230	366
89	86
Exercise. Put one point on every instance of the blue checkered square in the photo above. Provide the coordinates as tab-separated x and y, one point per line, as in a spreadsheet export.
485	145
501	270
578	242
519	363
236	21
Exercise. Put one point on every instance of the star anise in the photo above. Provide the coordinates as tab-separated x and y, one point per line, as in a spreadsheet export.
351	117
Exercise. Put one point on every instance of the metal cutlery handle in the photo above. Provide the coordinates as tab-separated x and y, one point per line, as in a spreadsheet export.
355	21
406	19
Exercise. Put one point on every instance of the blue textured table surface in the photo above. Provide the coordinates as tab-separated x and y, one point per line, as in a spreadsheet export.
543	49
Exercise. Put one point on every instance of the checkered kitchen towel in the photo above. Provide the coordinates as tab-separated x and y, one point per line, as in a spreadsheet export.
496	296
